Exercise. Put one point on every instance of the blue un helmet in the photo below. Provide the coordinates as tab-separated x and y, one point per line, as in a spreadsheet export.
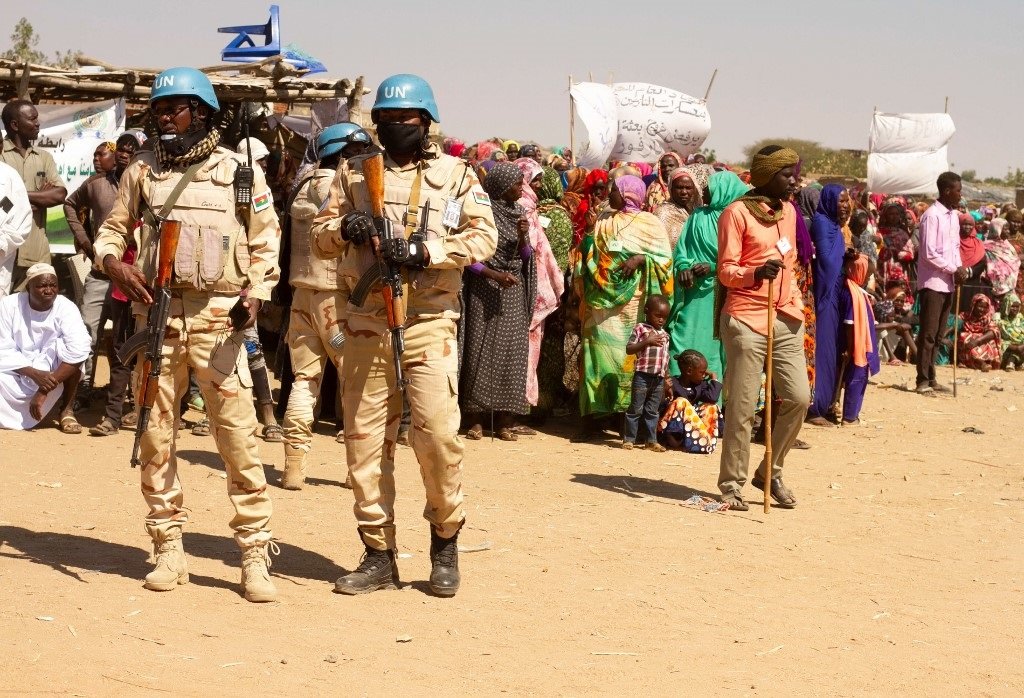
333	139
184	82
405	92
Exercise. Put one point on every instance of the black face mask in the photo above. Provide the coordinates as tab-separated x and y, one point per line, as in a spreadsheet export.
401	139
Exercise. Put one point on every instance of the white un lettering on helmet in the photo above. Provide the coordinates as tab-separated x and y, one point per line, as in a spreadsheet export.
163	81
395	91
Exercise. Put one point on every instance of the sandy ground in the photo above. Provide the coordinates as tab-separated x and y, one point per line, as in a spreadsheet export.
900	572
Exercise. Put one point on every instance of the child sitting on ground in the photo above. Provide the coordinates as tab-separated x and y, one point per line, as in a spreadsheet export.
692	420
649	343
859	343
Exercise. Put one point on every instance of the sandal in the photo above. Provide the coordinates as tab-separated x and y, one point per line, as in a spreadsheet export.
800	445
273	433
475	433
818	422
655	447
70	425
506	434
201	428
524	430
130	420
780	493
734	502
106	427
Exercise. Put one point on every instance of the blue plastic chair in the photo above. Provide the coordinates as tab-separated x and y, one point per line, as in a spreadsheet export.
243	48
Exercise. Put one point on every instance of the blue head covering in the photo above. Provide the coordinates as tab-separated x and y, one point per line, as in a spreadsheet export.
828	204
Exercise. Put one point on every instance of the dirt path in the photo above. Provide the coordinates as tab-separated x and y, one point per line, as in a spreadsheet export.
899	573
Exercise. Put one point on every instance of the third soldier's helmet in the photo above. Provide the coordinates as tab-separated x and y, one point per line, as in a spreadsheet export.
333	139
405	92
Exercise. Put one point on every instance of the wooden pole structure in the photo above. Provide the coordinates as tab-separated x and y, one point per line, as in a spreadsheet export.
572	123
768	400
707	93
956	335
946	109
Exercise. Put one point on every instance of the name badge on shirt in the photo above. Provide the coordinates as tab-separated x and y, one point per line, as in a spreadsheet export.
783	246
452	213
544	221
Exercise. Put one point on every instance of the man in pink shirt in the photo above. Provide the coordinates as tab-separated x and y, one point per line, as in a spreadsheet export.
757	242
939	269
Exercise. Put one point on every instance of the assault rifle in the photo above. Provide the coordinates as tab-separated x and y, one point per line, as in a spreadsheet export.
147	344
389	274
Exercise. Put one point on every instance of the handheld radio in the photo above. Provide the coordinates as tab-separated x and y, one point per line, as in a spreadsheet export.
245	177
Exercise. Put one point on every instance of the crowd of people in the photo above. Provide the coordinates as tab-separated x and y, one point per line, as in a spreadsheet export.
643	297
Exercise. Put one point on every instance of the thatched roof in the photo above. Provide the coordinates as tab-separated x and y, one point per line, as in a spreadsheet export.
271	80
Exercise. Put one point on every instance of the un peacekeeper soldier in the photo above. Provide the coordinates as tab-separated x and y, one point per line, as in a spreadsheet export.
225	249
461	232
314	326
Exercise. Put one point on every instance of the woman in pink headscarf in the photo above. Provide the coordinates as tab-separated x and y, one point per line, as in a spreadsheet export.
550	283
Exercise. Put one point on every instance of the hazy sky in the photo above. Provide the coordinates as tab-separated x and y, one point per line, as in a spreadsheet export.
800	69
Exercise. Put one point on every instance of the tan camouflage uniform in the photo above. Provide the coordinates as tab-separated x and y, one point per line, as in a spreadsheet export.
222	250
370	400
314	319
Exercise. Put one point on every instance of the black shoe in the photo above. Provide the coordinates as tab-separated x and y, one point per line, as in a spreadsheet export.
780	493
377	570
444	564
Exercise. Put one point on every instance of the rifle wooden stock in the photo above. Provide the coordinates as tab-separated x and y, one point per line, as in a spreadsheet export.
373	174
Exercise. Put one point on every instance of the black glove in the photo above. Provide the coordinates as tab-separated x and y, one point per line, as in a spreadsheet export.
770	270
402	251
357	227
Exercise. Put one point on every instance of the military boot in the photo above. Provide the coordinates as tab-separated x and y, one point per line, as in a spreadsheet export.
294	476
444	564
170	568
377	570
256	573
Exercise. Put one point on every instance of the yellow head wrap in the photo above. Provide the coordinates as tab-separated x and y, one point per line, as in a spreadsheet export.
764	167
507	144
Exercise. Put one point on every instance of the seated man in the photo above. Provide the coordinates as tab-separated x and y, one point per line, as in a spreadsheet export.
43	343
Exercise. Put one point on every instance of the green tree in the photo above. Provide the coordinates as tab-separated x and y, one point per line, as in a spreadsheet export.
969	175
23	48
816	158
23	44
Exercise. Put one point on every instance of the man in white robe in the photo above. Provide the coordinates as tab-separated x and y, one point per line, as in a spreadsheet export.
15	222
43	342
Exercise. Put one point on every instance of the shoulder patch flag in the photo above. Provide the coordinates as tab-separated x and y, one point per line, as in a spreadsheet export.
481	197
264	200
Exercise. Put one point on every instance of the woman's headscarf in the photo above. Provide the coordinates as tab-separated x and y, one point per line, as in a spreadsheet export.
828	203
1011	331
972	250
644	168
700	175
632	190
550	185
484	149
579	220
502	177
573	181
657	192
807	201
529	169
978	325
508	144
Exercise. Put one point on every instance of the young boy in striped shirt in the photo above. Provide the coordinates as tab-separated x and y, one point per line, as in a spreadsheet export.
649	343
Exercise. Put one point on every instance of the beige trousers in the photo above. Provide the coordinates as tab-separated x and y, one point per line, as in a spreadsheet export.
745	353
199	336
313	322
373	407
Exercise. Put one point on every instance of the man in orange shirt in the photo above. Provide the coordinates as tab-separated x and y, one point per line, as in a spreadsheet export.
757	242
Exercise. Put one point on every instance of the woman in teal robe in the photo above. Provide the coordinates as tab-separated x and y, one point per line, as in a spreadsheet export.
695	268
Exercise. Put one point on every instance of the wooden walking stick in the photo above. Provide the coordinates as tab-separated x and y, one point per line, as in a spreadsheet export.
956	335
768	400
